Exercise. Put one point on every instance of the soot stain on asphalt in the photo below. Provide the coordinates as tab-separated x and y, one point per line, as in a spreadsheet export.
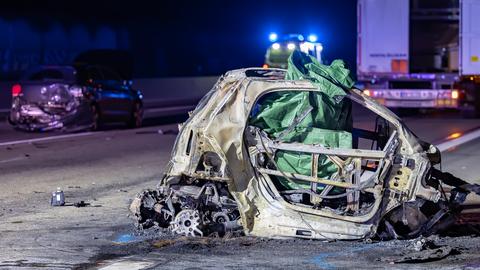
127	241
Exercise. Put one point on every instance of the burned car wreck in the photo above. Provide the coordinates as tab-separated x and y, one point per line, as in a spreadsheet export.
274	153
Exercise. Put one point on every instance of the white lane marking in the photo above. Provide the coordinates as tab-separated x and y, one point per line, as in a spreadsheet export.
11	159
467	137
48	138
127	265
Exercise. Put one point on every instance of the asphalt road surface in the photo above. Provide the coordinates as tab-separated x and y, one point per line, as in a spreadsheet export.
106	169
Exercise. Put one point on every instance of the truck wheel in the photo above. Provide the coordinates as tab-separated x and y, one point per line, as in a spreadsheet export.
136	117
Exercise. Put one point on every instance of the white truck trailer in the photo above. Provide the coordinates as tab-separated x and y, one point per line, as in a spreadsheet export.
420	53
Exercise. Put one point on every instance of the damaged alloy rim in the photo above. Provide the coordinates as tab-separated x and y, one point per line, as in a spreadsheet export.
187	223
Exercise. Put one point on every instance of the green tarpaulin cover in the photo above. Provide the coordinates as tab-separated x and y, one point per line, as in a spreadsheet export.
308	117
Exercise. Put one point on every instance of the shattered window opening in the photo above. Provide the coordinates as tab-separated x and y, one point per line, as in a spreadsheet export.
292	171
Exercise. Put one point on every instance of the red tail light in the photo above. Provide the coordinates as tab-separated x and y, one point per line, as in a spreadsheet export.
16	90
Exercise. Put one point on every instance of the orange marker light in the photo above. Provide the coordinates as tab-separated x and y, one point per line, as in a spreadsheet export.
265	66
454	135
455	94
367	92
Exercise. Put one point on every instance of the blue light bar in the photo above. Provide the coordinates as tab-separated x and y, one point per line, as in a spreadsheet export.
273	37
312	38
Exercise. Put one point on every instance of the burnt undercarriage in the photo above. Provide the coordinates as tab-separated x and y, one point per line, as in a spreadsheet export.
206	210
196	207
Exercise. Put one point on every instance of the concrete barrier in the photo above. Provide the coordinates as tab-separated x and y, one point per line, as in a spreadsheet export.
162	96
5	97
171	96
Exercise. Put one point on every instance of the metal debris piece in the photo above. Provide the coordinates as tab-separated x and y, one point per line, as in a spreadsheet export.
427	255
81	204
422	250
419	244
58	198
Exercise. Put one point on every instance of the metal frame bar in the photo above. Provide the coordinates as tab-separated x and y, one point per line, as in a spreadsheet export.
309	178
317	149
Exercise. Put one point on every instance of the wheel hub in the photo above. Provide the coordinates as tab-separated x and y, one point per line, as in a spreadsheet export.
187	223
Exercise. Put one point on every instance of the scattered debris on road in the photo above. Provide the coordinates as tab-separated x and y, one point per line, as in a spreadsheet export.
81	204
422	250
58	198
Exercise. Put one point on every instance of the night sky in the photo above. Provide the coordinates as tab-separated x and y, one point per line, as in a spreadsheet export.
192	38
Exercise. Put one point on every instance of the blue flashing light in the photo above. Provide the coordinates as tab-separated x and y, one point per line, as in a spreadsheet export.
273	37
312	38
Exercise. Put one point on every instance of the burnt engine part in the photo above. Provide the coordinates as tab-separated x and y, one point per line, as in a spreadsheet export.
190	210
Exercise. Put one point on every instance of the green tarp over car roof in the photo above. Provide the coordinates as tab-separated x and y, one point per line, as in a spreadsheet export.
310	117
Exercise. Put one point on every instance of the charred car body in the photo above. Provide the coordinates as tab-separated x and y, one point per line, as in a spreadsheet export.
83	95
280	158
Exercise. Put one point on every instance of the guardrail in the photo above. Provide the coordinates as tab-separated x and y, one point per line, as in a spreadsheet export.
5	97
171	96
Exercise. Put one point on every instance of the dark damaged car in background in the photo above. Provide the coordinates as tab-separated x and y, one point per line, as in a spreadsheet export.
275	153
95	90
